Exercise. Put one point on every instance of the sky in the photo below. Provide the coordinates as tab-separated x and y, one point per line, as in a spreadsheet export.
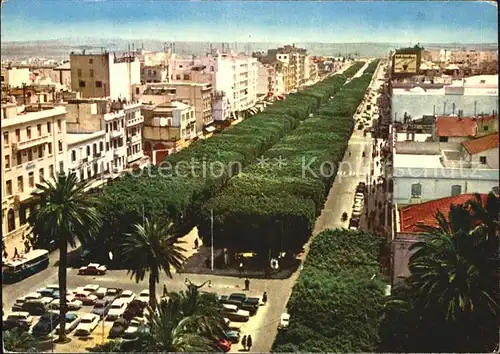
252	21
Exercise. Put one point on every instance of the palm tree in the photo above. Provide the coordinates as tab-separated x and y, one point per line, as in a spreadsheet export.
64	214
152	247
16	340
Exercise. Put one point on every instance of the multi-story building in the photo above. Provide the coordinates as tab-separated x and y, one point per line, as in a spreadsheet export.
198	95
270	79
62	74
86	155
34	149
104	75
295	59
15	77
168	127
157	73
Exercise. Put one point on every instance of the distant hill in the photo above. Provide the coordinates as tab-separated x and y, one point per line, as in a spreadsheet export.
61	49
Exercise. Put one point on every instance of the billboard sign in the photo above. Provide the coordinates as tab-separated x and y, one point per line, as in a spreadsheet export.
405	63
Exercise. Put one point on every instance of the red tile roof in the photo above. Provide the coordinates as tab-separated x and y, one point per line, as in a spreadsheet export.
424	213
455	127
481	144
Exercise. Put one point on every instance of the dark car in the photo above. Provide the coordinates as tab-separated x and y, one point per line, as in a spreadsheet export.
232	336
251	305
101	307
234	299
16	321
47	323
53	293
34	307
119	326
134	309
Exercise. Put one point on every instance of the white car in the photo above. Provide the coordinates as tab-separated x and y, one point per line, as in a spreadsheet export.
52	286
116	309
18	317
87	325
144	296
33	296
93	269
234	314
127	295
101	293
131	330
91	288
72	303
284	321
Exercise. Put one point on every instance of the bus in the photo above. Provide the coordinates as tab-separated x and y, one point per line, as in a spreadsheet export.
27	264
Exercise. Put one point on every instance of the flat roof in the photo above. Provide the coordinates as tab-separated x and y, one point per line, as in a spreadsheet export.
414	160
32	117
75	138
419	137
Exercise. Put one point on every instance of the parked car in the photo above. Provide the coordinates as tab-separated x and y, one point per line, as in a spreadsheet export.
129	339
101	307
19	319
46	292
131	331
224	344
234	314
251	304
92	288
144	296
47	323
33	296
101	293
233	336
116	310
127	295
72	303
34	307
92	269
119	327
113	293
85	297
72	321
18	304
87	325
284	321
134	309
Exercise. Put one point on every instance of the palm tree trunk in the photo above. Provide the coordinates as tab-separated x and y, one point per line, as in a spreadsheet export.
152	289
63	263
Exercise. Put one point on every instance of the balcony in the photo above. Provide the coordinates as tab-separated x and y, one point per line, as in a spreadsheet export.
135	121
116	133
30	143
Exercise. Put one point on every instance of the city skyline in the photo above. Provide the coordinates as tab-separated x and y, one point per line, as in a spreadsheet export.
396	22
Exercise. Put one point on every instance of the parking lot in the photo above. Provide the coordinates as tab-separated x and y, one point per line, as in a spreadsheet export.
99	335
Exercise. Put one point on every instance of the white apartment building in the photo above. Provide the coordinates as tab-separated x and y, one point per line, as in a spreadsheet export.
86	155
270	79
104	75
34	149
15	77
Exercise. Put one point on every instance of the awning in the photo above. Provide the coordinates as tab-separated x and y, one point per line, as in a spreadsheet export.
210	129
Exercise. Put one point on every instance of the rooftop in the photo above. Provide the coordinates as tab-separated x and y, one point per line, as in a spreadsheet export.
416	160
32	116
481	144
424	213
75	138
455	126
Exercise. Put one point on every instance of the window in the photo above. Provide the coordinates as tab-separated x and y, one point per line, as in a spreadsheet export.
22	214
212	68
30	154
88	150
28	132
98	84
79	72
107	146
49	145
41	175
177	77
91	73
6	138
18	135
51	171
107	128
485	128
8	187
482	160
61	167
416	190
115	125
60	146
94	148
121	123
40	150
443	139
187	77
11	220
48	127
180	66
19	158
137	91
81	83
20	184
31	179
456	190
101	146
59	125
73	155
7	161
91	61
39	128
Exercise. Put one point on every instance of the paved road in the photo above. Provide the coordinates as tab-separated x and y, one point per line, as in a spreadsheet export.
264	330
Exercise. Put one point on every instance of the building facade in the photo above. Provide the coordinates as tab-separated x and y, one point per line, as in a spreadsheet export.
87	155
15	77
34	149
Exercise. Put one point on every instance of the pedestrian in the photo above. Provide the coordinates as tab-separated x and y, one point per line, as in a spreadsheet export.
16	253
264	298
249	343
165	291
196	243
5	254
244	342
247	284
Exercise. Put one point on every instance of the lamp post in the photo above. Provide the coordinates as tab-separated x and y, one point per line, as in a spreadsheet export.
212	239
110	255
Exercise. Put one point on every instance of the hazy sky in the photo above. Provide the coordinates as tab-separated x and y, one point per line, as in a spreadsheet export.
256	21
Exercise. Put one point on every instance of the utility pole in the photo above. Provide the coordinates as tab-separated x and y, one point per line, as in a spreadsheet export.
212	239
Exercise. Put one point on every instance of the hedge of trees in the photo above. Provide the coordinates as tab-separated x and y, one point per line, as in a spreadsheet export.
337	301
177	189
272	205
